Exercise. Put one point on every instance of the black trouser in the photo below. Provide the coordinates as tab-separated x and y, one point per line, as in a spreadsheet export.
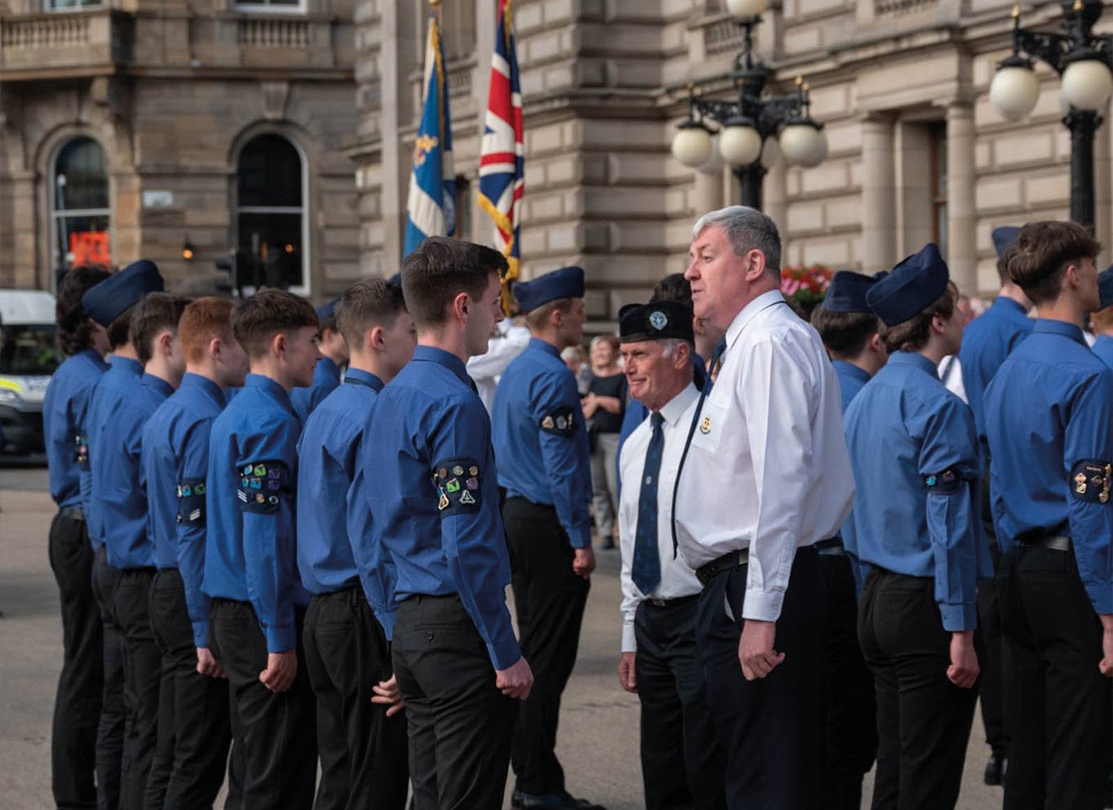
923	720
116	699
364	753
770	728
989	642
1059	704
146	763
278	730
851	707
460	724
73	755
194	707
682	763
550	599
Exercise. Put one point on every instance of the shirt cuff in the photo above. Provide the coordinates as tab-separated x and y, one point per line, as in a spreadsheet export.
201	634
960	617
580	537
281	638
762	606
629	641
1101	597
504	653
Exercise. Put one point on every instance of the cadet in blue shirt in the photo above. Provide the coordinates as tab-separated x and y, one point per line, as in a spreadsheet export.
917	523
154	333
77	703
437	549
110	304
851	333
541	444
175	460
363	746
1051	446
258	602
326	375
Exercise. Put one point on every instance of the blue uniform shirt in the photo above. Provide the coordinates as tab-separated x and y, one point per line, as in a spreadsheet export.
326	377
65	412
250	551
1103	348
327	455
124	486
851	380
918	509
541	439
113	388
1048	422
986	343
426	472
175	461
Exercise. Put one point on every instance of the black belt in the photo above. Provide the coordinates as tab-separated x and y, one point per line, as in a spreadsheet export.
1049	541
728	562
832	547
72	512
676	601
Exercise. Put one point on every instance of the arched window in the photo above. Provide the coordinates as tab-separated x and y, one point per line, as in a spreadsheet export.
80	210
270	217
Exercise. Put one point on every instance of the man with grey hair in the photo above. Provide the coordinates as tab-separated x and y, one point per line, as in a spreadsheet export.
764	484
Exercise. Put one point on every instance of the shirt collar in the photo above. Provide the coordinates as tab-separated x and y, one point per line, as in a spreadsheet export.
271	387
1007	303
329	365
125	364
157	383
914	359
750	311
201	383
358	374
1053	327
537	344
852	370
431	354
675	407
95	356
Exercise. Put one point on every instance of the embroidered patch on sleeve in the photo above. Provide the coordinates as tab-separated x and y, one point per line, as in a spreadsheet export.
1090	480
191	501
560	421
947	482
457	482
262	485
81	451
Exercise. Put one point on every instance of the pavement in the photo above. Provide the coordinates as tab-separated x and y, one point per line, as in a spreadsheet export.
598	741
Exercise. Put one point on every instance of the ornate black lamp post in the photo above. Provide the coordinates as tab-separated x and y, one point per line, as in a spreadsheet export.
1084	61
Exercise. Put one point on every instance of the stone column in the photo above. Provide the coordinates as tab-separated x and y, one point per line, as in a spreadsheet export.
962	250
775	189
879	203
708	193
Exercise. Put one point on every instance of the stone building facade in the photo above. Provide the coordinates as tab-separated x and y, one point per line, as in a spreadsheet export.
134	128
916	151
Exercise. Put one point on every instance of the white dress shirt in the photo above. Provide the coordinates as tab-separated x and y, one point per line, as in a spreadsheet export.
768	468
677	579
486	369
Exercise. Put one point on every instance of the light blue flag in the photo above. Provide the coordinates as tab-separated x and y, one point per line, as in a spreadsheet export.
431	208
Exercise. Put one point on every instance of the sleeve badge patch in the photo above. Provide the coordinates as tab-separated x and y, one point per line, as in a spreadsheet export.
947	482
191	501
272	476
561	422
454	495
1091	480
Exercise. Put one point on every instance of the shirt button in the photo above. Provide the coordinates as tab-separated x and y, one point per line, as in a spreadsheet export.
429	635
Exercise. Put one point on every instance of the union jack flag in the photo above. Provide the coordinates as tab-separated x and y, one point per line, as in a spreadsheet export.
502	159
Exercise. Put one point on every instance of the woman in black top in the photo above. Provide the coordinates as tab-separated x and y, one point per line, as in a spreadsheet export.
604	407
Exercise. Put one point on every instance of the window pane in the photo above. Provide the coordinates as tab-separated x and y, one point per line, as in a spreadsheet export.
29	349
269	173
81	240
81	176
271	246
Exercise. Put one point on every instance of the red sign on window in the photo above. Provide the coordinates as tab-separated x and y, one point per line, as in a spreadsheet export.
89	247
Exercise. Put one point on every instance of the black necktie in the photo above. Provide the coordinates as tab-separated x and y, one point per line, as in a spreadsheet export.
646	568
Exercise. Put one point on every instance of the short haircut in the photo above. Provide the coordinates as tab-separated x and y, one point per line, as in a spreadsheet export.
1003	265
442	268
747	229
119	331
1042	253
913	334
673	287
203	320
157	312
845	333
73	321
256	320
537	319
610	340
328	323
368	303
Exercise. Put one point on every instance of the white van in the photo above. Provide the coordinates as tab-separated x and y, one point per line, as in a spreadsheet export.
29	353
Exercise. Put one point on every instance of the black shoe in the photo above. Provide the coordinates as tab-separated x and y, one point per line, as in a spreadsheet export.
608	545
550	801
995	769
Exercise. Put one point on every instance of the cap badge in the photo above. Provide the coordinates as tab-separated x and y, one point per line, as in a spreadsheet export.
658	319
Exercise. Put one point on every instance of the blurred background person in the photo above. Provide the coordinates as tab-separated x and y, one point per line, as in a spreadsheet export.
604	406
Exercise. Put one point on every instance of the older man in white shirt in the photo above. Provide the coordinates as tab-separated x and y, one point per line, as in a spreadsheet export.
682	762
765	477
